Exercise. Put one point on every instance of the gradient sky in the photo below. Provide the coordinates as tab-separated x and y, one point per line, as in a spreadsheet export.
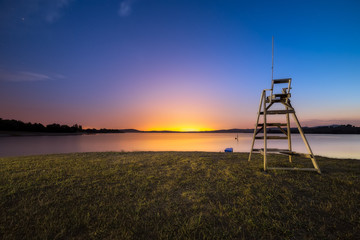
176	64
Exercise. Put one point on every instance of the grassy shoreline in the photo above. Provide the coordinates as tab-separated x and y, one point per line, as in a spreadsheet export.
176	195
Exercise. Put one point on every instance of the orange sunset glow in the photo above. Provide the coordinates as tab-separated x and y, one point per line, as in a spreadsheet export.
184	128
155	68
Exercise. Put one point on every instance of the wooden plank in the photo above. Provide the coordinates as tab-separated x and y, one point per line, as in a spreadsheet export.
276	100
277	124
295	169
267	108
283	80
272	137
291	153
272	124
282	95
277	112
271	150
274	149
278	97
284	152
283	131
259	130
277	137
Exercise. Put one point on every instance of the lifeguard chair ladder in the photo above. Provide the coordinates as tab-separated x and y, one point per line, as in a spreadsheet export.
267	101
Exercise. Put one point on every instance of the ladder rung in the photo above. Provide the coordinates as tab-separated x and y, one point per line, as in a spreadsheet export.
272	124
274	150
287	152
283	80
278	112
270	150
271	137
282	95
276	100
296	169
283	151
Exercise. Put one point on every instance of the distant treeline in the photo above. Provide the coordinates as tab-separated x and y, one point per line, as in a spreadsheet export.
15	125
333	129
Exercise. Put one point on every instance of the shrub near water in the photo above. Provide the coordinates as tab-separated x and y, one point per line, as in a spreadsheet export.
176	195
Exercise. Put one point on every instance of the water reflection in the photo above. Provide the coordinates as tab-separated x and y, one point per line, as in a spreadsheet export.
340	146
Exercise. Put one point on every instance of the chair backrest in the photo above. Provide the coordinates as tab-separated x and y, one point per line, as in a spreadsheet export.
284	93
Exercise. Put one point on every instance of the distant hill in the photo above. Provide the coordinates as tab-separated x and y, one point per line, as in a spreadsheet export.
234	130
333	129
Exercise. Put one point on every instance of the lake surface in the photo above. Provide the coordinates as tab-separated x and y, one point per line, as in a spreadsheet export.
337	146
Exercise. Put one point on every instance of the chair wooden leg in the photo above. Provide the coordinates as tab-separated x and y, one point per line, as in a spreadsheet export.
306	144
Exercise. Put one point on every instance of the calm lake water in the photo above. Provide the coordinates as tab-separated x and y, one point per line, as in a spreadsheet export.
338	146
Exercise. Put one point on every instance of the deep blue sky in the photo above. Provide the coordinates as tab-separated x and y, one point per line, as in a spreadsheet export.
176	64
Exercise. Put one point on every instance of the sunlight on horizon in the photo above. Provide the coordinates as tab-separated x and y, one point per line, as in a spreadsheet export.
181	129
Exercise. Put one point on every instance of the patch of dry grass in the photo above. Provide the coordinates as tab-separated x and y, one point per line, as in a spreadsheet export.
176	195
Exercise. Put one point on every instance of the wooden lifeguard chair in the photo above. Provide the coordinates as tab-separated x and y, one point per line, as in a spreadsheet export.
268	101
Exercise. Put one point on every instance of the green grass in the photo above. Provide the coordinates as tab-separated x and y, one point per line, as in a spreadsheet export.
176	195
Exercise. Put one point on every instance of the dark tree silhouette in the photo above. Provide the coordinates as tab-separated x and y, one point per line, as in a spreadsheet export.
15	125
